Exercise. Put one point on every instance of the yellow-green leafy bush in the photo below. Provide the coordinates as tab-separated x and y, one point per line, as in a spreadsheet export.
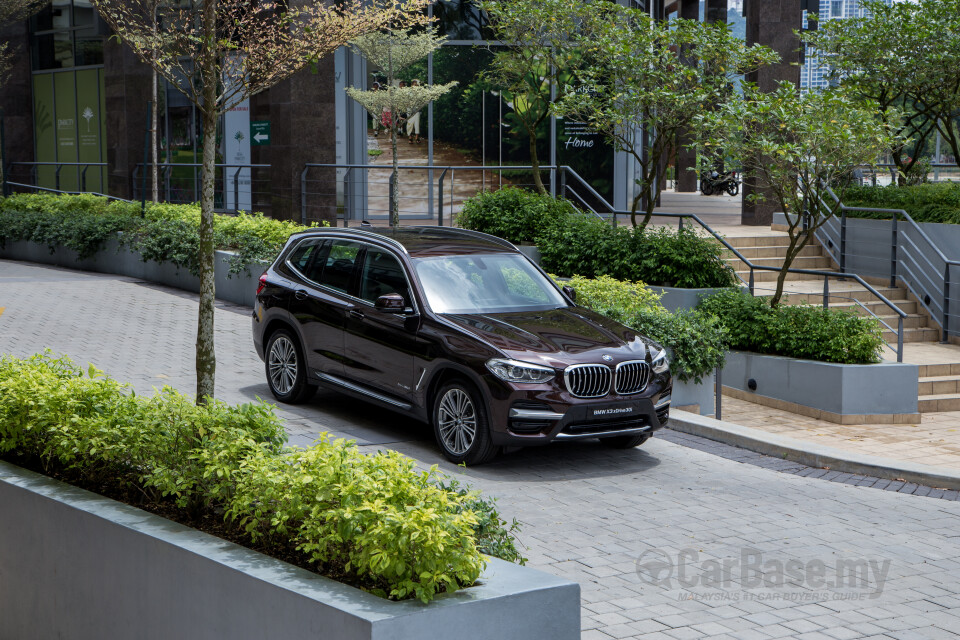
388	526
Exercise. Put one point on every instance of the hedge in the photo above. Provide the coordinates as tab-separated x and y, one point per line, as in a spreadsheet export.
574	243
166	233
939	202
804	331
695	339
375	521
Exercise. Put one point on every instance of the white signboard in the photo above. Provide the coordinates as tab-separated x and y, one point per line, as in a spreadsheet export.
236	133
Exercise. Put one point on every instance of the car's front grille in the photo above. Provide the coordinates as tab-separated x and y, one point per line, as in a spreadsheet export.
631	377
588	380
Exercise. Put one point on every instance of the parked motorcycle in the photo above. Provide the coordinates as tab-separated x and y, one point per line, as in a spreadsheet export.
716	182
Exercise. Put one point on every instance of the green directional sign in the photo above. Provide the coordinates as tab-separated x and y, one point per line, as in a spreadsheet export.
260	132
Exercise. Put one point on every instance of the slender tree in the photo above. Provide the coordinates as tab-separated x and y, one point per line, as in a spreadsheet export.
393	50
530	58
637	89
219	52
796	145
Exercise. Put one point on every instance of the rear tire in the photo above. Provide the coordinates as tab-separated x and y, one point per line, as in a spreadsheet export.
706	188
625	442
286	369
460	424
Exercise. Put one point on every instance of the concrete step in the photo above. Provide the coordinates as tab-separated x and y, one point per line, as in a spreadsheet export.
939	370
772	252
775	240
939	385
858	294
771	276
919	334
912	321
875	306
939	402
800	262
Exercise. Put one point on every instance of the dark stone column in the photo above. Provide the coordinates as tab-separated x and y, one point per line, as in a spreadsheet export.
16	100
686	158
716	11
303	128
127	86
771	23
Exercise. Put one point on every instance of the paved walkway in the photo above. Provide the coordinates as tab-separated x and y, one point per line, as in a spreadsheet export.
666	541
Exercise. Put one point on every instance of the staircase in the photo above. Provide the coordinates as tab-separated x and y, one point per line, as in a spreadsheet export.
939	384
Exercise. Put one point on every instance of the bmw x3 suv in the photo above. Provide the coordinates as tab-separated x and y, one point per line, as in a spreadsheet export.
460	330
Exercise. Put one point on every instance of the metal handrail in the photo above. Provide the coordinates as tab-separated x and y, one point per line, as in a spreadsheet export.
826	275
68	193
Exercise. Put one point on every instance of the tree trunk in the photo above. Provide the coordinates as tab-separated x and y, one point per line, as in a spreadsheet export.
395	187
793	250
535	162
206	356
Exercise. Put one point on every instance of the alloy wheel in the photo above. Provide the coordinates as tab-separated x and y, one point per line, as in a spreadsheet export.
283	365
457	421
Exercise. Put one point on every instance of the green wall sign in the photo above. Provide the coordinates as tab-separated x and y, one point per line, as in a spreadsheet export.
260	132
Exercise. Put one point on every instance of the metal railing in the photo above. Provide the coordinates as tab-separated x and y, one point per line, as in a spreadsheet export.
915	260
750	283
76	174
237	187
941	172
354	192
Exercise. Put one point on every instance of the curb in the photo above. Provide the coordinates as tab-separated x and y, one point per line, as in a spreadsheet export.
812	455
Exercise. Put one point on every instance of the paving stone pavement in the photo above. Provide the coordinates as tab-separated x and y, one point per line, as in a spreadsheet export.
670	540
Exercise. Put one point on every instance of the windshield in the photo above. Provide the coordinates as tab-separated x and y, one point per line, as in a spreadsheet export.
491	283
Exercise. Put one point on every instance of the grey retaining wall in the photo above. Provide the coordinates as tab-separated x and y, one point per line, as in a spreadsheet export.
237	288
845	393
77	565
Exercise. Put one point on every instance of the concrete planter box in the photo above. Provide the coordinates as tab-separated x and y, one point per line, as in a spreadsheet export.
531	251
884	393
237	288
687	394
76	565
676	299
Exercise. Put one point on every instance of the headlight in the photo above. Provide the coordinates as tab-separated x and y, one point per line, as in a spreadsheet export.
660	363
515	371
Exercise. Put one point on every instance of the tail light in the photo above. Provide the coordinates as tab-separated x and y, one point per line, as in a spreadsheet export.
263	283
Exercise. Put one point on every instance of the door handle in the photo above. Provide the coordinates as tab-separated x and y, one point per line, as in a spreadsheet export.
301	294
355	313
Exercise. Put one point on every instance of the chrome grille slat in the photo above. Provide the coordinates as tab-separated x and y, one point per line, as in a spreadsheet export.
631	377
588	380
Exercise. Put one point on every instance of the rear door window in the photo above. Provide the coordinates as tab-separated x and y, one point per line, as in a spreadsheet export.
339	266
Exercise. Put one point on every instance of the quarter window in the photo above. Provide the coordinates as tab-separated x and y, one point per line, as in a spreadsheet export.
301	256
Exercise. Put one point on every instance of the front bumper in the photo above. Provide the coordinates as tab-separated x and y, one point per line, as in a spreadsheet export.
534	418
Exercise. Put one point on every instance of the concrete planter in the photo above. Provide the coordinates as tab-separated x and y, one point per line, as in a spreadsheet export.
699	398
76	565
531	251
841	393
676	299
237	288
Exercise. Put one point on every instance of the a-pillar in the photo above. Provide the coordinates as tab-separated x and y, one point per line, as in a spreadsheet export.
772	24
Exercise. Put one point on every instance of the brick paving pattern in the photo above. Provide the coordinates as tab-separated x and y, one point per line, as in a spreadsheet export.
677	539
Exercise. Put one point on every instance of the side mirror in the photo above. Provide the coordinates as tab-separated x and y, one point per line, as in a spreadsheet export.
390	303
570	292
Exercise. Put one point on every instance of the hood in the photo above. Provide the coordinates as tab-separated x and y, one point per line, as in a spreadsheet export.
555	337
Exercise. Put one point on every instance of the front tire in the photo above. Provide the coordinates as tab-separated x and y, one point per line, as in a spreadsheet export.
625	442
733	188
286	369
460	424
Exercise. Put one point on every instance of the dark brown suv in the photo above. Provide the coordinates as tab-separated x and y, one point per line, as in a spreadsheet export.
458	329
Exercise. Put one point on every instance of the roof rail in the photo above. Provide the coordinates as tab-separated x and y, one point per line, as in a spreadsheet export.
363	233
467	232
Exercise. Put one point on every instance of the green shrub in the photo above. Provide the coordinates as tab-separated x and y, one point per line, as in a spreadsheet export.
511	213
588	246
938	202
804	331
376	520
695	340
165	233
